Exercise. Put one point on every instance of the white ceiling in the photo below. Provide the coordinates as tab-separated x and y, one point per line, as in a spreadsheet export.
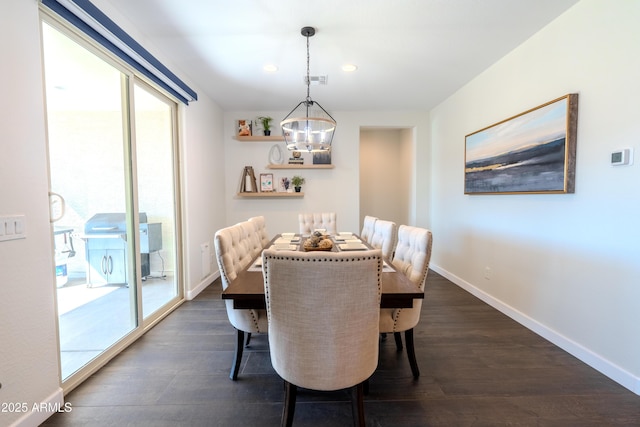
411	54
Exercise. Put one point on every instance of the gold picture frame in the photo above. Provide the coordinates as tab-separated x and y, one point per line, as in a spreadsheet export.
533	152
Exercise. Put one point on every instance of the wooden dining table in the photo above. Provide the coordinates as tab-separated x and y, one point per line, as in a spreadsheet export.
247	290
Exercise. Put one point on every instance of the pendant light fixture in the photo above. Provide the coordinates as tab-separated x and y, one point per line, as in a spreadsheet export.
308	127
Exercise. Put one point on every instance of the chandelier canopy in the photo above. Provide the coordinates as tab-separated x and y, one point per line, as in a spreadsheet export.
308	127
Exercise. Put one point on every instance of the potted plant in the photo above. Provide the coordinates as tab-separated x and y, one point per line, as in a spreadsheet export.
266	124
297	182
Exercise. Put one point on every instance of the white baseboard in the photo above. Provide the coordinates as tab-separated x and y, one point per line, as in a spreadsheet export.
597	362
40	411
192	293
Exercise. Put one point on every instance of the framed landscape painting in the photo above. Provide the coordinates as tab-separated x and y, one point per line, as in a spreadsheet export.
533	152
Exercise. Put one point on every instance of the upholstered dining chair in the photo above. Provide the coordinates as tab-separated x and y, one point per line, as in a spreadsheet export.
261	234
315	341
258	240
311	221
235	248
412	256
367	228
384	237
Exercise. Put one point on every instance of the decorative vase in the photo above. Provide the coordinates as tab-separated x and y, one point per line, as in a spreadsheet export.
298	189
267	132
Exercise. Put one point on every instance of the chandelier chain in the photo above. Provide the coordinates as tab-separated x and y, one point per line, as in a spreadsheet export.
308	77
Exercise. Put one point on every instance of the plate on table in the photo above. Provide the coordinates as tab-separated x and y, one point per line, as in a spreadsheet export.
352	247
279	247
288	238
257	265
344	236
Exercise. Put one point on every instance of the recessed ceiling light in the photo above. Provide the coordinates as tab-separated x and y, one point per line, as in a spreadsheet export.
349	68
270	68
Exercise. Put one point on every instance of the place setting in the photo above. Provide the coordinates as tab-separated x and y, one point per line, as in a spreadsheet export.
347	241
286	241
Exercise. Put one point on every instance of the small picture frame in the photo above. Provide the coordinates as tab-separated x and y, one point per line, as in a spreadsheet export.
285	185
266	182
244	127
322	158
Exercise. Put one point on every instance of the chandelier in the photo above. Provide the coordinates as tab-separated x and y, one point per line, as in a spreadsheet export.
308	127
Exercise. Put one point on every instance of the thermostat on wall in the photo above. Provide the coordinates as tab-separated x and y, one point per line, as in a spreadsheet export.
622	157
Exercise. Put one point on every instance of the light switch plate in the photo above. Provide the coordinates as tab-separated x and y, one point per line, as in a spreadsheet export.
12	227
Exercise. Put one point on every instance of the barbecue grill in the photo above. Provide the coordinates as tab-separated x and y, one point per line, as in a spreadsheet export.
106	249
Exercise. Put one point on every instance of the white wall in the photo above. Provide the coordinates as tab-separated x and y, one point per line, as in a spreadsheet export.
336	190
565	265
29	352
203	190
28	337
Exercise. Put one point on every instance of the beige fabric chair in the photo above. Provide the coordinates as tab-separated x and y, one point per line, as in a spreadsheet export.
315	340
311	221
235	247
412	256
367	228
260	231
384	237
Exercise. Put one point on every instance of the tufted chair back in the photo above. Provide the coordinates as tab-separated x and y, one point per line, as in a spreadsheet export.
367	228
261	230
384	237
412	256
310	221
315	341
233	250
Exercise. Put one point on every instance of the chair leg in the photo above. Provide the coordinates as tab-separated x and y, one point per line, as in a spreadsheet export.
246	343
235	368
357	405
398	339
411	352
290	391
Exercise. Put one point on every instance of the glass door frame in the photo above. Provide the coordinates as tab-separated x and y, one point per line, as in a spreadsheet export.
173	303
132	217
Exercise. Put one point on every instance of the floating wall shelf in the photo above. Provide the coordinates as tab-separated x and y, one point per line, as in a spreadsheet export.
260	138
270	195
288	166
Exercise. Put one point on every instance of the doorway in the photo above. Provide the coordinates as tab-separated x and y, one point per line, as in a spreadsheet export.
386	173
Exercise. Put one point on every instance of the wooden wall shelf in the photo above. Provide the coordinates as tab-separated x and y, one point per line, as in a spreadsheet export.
288	166
260	138
269	195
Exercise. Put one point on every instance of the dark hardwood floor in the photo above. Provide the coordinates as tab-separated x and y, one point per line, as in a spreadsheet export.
478	367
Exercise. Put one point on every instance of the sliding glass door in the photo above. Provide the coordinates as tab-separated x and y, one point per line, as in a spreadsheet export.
155	160
112	166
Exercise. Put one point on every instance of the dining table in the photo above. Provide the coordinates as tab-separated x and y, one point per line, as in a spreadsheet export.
247	289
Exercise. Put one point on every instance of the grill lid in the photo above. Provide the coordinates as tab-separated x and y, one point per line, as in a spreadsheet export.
109	223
